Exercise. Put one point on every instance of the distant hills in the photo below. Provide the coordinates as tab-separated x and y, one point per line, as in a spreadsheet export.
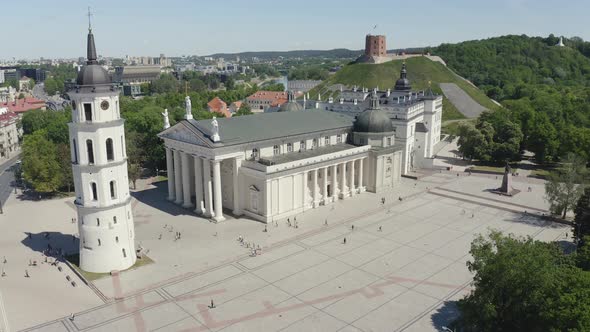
338	53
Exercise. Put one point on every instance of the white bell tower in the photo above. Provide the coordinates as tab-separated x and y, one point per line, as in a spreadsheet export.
99	166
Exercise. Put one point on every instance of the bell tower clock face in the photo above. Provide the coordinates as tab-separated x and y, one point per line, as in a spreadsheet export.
104	105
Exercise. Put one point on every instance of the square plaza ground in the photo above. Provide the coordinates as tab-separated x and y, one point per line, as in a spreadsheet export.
402	277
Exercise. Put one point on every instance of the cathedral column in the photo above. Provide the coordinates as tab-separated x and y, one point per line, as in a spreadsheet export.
237	209
177	177
217	184
304	190
314	187
334	183
186	181
198	185
170	172
325	185
351	175
207	187
343	180
361	184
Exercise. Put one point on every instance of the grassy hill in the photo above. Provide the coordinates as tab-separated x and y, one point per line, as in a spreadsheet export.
421	70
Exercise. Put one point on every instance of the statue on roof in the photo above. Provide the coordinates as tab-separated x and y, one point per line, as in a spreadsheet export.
215	130
188	108
166	119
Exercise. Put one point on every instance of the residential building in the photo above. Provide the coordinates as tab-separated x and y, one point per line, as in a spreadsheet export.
20	106
218	106
9	134
263	100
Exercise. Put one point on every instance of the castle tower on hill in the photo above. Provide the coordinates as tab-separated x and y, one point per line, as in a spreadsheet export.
99	166
375	46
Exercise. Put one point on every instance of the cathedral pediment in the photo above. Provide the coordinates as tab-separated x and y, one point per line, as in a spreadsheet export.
183	133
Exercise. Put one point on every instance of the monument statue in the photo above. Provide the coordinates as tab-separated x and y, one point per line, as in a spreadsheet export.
166	119
506	188
215	134
188	108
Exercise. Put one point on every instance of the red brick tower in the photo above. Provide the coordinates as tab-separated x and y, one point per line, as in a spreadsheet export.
375	46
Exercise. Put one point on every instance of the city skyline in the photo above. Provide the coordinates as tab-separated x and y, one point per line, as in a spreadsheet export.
145	28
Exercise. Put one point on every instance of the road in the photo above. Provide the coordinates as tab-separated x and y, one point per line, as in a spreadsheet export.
55	103
7	179
462	101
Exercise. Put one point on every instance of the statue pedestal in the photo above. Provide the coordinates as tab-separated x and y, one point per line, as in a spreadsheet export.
506	188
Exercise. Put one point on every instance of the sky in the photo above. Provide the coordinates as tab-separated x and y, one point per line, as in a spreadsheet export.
57	28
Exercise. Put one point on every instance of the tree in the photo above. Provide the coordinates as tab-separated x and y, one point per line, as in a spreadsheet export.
165	84
134	173
244	110
40	165
65	166
524	285
50	86
21	95
565	185
581	226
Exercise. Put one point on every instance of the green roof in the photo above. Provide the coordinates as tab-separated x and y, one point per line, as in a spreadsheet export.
266	126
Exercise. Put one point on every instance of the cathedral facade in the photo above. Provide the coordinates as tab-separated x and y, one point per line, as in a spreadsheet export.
276	165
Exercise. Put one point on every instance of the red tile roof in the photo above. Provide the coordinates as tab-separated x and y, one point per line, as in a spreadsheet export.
23	105
7	117
219	106
275	98
236	105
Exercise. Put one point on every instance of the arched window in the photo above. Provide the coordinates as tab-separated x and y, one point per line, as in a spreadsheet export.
302	146
314	143
75	148
124	253
110	152
255	153
327	140
122	147
289	147
97	222
115	219
276	150
117	239
90	150
113	191
99	242
94	191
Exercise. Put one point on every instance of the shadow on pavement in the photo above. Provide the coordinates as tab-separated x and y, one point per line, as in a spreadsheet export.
156	197
445	315
52	241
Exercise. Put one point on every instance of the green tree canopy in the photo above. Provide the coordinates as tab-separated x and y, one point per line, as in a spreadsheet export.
524	285
40	165
566	185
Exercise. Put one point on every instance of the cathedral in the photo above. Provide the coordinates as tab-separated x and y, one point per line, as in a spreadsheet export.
99	166
276	165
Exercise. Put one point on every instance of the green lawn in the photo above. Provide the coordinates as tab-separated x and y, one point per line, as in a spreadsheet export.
90	276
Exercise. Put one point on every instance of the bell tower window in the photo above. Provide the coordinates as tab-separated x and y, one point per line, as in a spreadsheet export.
110	152
88	112
90	151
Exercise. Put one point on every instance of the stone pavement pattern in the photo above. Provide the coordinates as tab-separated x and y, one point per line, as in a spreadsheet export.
403	277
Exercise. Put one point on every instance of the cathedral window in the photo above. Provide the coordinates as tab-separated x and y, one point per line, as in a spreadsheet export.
88	112
99	242
289	147
110	152
388	141
302	146
90	150
115	219
75	148
124	253
327	140
314	143
94	191
339	138
122	147
255	153
276	150
117	239
112	188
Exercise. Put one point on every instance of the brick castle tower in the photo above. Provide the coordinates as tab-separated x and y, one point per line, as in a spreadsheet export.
375	46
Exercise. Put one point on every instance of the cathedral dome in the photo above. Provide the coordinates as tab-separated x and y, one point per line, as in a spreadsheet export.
291	105
403	83
93	75
373	121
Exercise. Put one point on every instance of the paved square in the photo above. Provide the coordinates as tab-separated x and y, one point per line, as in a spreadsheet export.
401	268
